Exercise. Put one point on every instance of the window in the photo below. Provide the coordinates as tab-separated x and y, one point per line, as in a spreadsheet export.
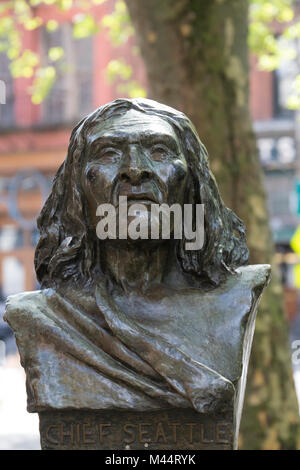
7	114
280	150
71	96
284	76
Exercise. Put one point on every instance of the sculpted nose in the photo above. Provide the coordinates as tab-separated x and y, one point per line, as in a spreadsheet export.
135	167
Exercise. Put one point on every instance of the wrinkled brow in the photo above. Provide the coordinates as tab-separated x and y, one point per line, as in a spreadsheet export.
146	138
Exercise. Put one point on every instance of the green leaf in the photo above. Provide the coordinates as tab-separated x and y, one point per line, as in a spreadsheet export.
55	53
63	4
52	25
13	52
292	32
285	15
293	102
268	62
6	25
118	69
84	26
24	65
43	82
118	24
33	23
132	89
35	3
21	7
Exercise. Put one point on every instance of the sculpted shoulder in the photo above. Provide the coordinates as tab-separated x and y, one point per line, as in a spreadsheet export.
21	307
255	276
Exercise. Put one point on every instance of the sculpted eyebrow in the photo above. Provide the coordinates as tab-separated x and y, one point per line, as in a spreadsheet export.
164	139
146	138
103	141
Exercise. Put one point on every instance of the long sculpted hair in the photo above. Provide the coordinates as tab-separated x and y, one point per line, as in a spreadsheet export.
68	247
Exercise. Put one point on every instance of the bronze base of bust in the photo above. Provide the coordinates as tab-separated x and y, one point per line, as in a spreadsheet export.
128	430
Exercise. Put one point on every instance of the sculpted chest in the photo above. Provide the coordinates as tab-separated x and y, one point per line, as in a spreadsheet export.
210	327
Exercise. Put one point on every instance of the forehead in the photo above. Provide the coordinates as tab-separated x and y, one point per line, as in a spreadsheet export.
132	125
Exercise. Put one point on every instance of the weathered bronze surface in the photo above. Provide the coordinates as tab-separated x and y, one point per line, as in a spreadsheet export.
128	328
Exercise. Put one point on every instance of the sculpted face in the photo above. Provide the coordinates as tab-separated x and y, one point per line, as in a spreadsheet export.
133	155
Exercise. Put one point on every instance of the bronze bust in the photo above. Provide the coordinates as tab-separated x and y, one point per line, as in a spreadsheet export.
137	325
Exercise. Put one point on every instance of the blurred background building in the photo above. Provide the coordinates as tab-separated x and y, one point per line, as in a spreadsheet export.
278	139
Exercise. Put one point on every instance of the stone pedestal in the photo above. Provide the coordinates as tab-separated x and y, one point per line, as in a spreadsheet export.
120	430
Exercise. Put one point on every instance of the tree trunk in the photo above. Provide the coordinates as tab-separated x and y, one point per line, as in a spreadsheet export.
196	57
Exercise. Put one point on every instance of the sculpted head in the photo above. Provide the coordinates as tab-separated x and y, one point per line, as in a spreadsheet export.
133	155
150	153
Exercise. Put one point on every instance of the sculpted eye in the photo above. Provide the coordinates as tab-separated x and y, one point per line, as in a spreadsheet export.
159	151
109	153
159	148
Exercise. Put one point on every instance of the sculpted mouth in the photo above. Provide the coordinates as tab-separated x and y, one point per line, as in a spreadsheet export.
142	197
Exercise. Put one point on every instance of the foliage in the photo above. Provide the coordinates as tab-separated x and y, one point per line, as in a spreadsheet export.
265	44
18	16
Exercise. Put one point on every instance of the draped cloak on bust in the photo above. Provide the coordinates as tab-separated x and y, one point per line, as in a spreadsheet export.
84	352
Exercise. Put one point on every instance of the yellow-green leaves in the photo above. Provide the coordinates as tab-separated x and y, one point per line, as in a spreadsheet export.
55	53
120	72
292	32
52	25
33	23
118	69
84	26
132	89
294	99
43	82
118	24
268	10
25	64
262	40
35	3
64	4
24	15
6	25
271	51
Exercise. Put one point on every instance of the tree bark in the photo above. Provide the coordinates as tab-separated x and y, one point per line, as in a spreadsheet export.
196	57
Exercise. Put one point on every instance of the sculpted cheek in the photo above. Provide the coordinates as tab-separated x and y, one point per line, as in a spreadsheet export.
174	172
180	170
177	173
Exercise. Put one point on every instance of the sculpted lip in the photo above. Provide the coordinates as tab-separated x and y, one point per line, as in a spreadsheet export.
140	197
143	196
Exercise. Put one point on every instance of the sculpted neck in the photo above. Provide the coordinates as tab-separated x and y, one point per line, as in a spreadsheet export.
134	266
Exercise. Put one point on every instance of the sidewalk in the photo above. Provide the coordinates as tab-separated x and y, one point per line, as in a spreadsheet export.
19	430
